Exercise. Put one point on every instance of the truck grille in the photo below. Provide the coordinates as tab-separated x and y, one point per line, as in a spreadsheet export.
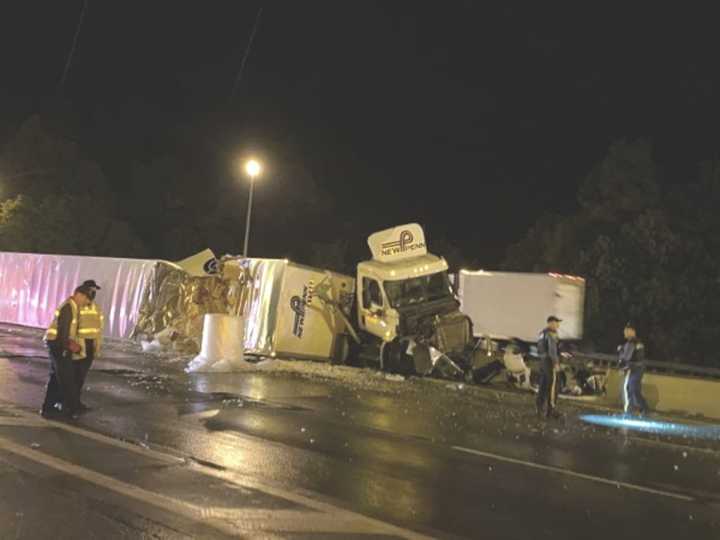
452	332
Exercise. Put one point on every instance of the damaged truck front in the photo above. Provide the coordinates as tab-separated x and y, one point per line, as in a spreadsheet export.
408	318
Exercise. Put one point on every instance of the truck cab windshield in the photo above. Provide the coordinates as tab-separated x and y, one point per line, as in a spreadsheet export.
405	292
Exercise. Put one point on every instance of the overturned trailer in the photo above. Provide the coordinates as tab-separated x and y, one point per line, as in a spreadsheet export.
149	300
33	285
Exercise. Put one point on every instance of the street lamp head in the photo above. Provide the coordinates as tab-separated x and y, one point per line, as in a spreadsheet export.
253	168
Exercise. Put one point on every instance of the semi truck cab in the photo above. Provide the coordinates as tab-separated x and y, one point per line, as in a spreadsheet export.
406	307
388	292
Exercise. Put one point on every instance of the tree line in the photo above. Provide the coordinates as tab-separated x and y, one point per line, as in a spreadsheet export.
648	246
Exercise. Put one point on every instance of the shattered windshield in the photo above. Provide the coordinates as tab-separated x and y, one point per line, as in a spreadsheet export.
405	292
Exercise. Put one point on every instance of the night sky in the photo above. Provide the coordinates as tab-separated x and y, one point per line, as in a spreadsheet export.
471	119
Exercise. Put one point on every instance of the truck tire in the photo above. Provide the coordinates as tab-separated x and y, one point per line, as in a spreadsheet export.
366	353
394	359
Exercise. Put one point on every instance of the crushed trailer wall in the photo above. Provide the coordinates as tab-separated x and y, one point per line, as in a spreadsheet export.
273	295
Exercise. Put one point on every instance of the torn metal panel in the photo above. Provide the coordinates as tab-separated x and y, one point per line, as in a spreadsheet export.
274	296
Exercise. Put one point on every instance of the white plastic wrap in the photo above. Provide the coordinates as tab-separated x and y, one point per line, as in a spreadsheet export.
222	345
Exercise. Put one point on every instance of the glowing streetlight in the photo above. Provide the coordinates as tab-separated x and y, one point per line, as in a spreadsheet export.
253	168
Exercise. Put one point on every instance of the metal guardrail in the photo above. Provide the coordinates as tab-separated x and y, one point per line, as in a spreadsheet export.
671	368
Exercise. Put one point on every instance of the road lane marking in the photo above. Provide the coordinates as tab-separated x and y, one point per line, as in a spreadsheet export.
558	470
22	421
230	520
325	517
32	420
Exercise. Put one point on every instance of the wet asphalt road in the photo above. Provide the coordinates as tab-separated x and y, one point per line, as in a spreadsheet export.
286	455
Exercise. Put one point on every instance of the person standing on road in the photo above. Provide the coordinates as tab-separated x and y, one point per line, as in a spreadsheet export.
631	359
91	331
549	353
65	348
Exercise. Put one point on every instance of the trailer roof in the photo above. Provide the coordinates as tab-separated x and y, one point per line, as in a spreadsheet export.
537	274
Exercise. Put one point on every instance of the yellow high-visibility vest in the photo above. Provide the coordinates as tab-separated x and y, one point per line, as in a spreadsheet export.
52	331
91	322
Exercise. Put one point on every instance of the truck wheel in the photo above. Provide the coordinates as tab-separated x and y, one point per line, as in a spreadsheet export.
366	353
393	358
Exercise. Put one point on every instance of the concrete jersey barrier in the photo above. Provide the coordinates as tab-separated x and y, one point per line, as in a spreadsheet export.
671	393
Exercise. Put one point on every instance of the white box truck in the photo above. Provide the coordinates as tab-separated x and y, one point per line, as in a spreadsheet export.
512	305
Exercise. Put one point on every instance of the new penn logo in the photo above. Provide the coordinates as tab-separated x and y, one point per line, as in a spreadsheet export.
212	266
297	305
403	244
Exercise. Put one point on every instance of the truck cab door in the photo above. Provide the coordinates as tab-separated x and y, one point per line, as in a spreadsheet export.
372	309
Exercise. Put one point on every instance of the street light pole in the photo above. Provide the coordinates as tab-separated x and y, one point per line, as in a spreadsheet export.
253	169
247	219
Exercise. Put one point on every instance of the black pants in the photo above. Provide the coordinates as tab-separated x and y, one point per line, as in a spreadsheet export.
62	386
548	387
83	366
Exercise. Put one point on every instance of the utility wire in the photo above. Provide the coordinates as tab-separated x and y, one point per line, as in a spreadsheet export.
72	49
236	84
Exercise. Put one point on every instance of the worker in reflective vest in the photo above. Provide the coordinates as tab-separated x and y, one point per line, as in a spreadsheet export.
90	331
66	348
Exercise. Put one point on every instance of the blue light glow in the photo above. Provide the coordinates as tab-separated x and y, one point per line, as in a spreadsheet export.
653	426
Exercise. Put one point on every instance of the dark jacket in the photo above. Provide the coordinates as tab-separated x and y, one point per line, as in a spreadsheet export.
631	355
549	346
59	345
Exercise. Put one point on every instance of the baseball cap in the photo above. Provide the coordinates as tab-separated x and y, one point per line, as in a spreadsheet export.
91	283
553	318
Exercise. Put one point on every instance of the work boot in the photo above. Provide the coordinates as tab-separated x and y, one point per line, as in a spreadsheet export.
49	413
539	411
553	413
